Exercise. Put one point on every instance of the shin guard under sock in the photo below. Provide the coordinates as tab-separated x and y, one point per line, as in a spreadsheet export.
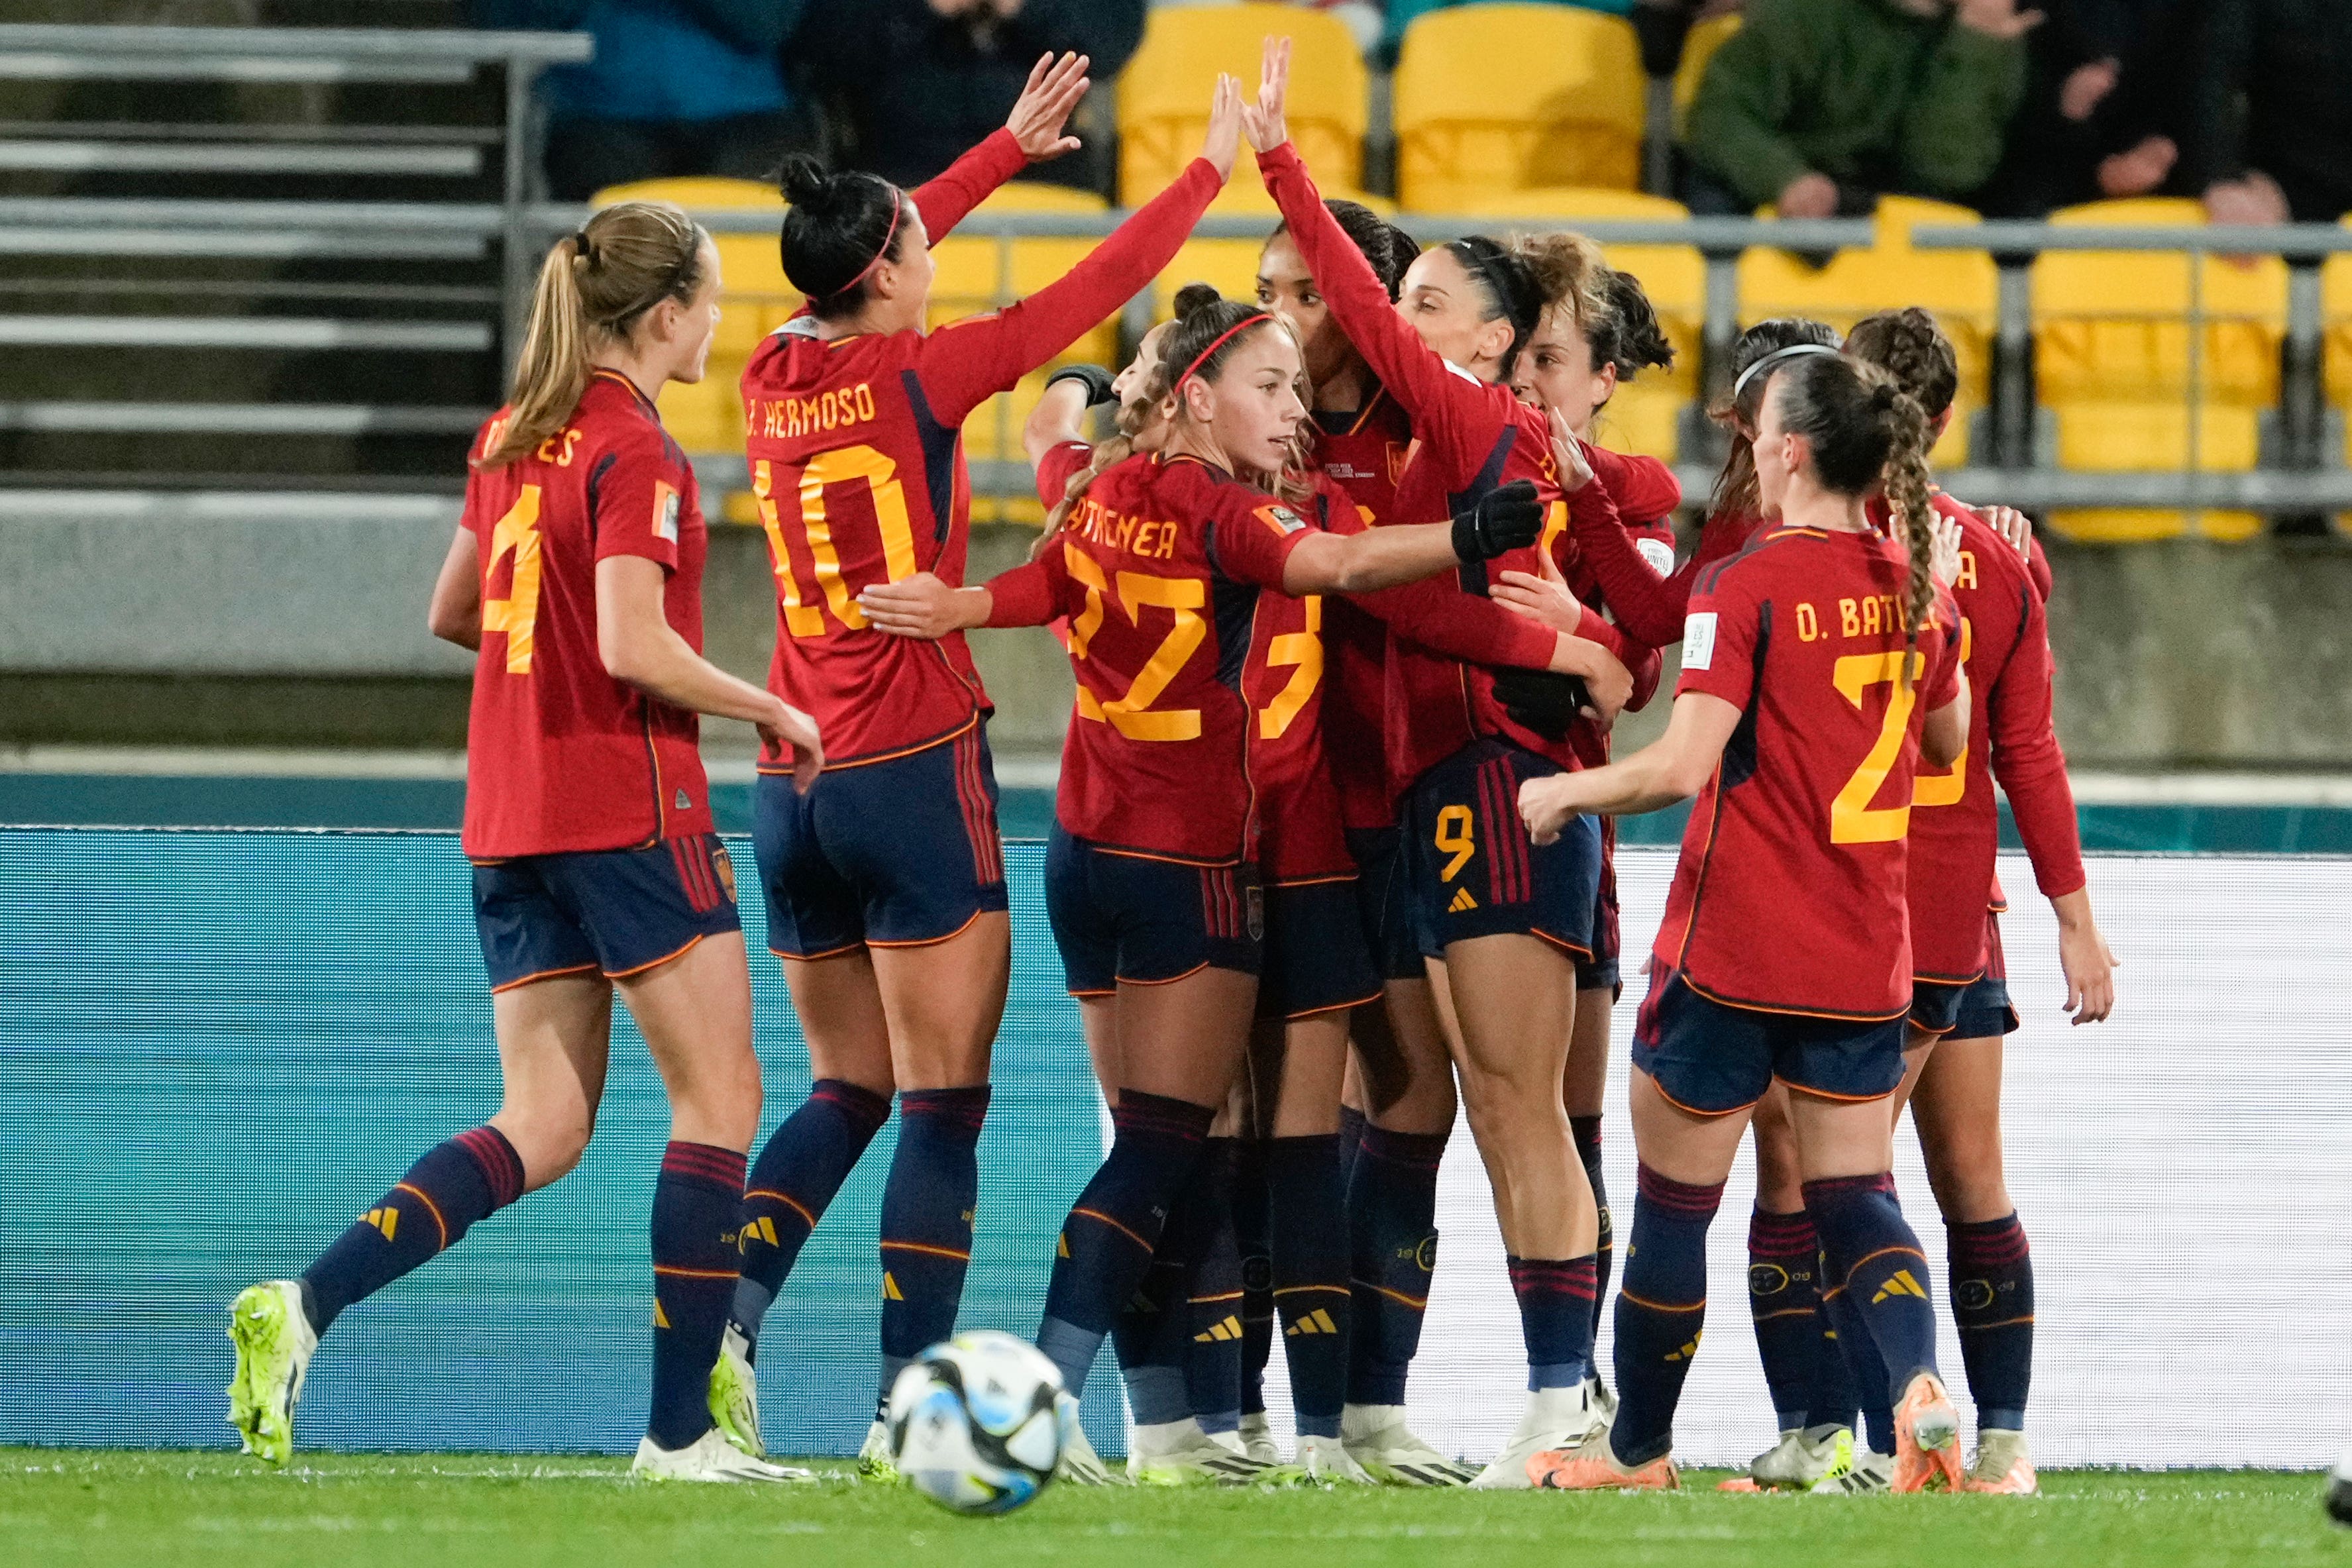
793	1180
697	1202
453	1186
1661	1311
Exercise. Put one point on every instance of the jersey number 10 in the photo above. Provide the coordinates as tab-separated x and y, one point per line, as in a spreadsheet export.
804	617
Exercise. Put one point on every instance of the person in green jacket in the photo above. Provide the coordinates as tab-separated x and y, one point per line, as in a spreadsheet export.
1815	107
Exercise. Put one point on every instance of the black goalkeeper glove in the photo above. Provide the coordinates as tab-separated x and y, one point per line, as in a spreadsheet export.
1096	379
1503	519
1542	700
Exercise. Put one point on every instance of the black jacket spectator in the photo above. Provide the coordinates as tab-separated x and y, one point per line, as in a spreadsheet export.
2269	110
920	81
2102	94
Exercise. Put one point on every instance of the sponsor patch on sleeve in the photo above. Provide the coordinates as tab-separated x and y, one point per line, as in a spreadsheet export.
1281	519
664	512
1659	554
1698	640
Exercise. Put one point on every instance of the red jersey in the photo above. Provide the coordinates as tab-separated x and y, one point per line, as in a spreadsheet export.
560	756
1300	837
1365	454
858	465
1649	602
1160	569
1955	819
1789	895
1469	437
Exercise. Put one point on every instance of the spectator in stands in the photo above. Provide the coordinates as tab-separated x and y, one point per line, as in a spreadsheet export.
920	81
1663	24
2103	91
678	87
2269	111
1364	18
1817	107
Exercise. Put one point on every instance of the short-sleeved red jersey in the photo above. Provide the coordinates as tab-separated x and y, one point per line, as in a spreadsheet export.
1790	894
560	757
1955	819
857	454
1160	569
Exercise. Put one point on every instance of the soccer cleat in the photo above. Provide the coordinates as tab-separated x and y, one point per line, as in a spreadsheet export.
874	1460
1869	1474
1592	1466
1258	1439
1232	1443
274	1343
709	1457
1597	1395
735	1395
1079	1464
2002	1465
1798	1463
1927	1439
1324	1461
1378	1439
1179	1454
1557	1419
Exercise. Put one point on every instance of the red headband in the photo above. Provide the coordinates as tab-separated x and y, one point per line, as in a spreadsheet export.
887	235
1245	322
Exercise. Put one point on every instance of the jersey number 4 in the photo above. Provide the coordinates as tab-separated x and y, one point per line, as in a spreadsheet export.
804	617
1852	818
518	614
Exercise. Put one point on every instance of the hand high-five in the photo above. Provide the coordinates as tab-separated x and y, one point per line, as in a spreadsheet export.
1044	106
1264	119
1224	141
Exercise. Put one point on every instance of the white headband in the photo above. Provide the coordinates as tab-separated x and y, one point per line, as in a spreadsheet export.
1777	357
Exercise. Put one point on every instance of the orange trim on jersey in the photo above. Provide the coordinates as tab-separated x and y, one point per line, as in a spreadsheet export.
1955	981
1380	395
1166	860
1098	1214
819	958
934	941
1317	881
658	962
543	975
1797	530
775	768
431	1207
1170	980
1305	1014
1825	1094
1789	1012
927	1252
787	1199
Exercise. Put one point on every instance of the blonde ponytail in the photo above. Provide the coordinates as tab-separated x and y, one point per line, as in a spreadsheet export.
595	286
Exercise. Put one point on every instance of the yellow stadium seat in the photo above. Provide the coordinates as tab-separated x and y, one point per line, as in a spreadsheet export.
707	416
1962	288
2112	363
1645	416
1492	99
1163	95
2335	310
1699	48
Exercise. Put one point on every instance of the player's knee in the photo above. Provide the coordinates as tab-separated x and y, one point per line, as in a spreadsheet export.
1967	1177
550	1145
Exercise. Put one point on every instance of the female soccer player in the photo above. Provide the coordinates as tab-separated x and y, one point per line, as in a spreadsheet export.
1508	920
1808	662
885	883
1151	880
577	574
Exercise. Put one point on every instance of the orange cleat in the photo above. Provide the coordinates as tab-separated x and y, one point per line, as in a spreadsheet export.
1739	1483
2002	1466
1591	1467
1927	1439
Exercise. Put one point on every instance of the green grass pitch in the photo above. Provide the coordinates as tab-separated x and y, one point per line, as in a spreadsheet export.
62	1508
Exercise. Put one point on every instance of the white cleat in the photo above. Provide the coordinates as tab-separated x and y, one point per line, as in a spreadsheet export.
1079	1464
1378	1439
2002	1465
1258	1439
1324	1461
874	1460
1597	1395
274	1343
1556	1419
735	1394
1870	1475
1179	1454
1800	1463
709	1457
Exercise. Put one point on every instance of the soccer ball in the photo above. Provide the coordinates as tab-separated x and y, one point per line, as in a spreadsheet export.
2339	1491
972	1423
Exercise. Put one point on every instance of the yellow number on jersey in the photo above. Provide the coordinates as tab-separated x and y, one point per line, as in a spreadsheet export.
1303	652
842	466
1851	820
518	614
1132	715
1946	788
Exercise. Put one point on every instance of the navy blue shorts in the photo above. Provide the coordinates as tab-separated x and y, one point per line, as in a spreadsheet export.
1600	972
1973	1009
613	913
1126	918
1316	960
1712	1058
898	853
1384	903
1474	871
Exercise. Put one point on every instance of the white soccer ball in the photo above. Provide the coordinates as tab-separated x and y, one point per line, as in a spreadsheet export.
972	1424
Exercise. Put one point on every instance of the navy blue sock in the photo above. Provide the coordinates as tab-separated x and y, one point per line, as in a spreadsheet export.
927	1217
1661	1311
1554	1318
452	1188
1392	1247
1852	1358
1253	1236
1106	1242
697	1204
1310	1277
791	1184
1351	1138
1213	1362
1992	1302
1875	1261
1586	1132
1786	1305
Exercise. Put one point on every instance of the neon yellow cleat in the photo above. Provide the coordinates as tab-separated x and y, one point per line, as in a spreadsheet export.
274	1343
735	1395
874	1460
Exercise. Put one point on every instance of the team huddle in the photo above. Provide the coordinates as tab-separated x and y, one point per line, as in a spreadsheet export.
1352	597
